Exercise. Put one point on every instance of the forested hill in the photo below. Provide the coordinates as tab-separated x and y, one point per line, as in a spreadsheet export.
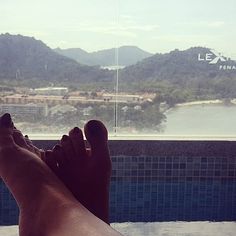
128	55
179	66
184	69
178	75
25	58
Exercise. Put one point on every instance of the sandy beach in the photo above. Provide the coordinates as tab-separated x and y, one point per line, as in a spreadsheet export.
217	101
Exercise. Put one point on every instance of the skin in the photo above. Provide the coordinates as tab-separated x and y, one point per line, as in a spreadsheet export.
46	206
85	172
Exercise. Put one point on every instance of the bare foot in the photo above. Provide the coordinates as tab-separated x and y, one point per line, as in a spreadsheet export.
25	142
46	206
86	173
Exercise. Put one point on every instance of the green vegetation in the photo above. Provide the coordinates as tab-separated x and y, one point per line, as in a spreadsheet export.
131	118
174	77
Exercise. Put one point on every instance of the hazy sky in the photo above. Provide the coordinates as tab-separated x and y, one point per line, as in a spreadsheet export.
153	25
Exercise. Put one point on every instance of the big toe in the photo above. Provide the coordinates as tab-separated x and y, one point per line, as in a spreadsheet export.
96	131
6	125
97	135
6	130
6	121
77	140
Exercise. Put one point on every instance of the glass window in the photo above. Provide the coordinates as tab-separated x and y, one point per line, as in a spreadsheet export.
147	68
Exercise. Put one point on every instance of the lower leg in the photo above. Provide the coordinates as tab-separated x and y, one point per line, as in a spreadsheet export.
46	206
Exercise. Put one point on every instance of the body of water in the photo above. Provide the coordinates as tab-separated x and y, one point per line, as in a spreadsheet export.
202	120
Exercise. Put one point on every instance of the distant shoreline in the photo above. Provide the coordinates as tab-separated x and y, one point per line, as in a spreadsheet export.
216	101
202	102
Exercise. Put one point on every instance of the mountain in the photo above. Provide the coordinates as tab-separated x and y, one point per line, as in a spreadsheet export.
25	58
77	54
192	74
128	55
194	71
180	66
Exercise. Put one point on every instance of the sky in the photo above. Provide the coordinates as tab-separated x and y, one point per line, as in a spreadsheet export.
157	26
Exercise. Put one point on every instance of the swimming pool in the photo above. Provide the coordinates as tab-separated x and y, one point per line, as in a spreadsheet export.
161	181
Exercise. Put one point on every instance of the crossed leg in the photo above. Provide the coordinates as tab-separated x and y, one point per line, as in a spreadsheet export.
47	207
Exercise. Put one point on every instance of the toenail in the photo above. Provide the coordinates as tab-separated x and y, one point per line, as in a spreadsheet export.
6	120
6	116
65	138
76	130
94	126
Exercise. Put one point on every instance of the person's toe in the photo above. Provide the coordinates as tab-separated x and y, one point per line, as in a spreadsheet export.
77	140
59	155
6	121
97	136
27	140
6	130
20	140
67	147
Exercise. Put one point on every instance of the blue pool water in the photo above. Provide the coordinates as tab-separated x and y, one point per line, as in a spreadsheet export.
173	188
156	201
160	189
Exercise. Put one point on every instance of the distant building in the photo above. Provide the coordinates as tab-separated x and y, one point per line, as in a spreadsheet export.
138	108
60	91
87	111
116	67
61	109
122	97
25	109
125	108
